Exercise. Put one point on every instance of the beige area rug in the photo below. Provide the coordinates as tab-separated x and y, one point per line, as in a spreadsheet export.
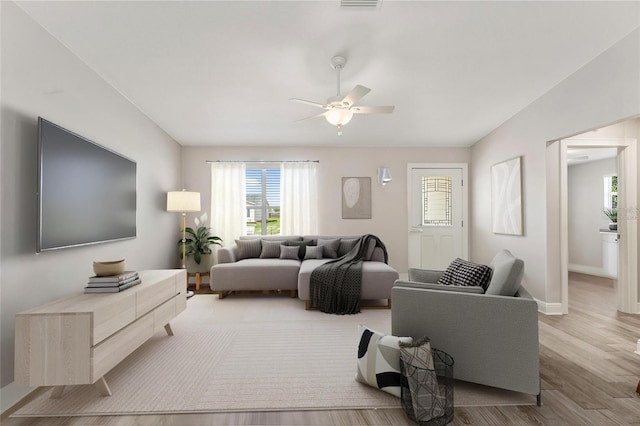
247	353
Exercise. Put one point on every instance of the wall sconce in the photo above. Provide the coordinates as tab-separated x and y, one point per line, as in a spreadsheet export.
384	176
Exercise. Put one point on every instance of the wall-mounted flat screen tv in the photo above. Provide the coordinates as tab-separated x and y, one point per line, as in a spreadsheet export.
86	192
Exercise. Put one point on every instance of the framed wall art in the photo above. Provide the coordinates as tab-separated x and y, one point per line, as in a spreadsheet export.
506	197
356	198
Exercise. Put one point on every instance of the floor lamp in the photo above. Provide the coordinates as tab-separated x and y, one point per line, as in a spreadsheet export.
183	202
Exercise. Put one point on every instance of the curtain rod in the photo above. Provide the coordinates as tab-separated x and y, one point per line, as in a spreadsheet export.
262	161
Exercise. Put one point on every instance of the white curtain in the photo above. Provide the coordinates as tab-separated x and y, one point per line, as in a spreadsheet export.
228	201
298	199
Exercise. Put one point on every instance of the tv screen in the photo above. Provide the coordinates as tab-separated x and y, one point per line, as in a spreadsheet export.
86	192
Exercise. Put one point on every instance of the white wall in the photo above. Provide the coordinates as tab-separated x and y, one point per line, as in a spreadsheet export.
389	218
586	219
40	77
602	92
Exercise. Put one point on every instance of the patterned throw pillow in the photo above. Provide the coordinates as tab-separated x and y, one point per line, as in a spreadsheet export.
287	252
270	249
302	244
248	249
346	245
379	360
313	252
330	247
463	272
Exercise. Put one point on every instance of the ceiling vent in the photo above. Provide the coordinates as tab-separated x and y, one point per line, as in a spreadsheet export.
360	4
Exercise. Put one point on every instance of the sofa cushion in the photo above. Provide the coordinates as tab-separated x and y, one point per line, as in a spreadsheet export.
302	246
346	245
270	249
507	274
288	252
249	249
330	247
379	360
255	274
377	279
463	272
313	252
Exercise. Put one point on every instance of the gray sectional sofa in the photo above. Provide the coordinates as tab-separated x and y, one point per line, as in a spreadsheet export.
243	266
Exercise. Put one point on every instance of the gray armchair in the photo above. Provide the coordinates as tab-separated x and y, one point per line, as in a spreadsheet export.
492	335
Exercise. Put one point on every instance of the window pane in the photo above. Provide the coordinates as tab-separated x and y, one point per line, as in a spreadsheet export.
263	201
436	201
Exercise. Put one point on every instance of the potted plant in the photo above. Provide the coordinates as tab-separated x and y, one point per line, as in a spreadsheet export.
198	246
612	214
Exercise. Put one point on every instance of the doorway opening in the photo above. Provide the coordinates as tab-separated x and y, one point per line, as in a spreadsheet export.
558	152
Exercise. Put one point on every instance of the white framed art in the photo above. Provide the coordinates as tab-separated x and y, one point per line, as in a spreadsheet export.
356	198
506	197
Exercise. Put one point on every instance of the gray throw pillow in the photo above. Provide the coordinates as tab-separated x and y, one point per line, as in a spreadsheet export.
270	249
507	274
463	272
346	245
330	247
313	252
248	249
370	249
287	252
302	246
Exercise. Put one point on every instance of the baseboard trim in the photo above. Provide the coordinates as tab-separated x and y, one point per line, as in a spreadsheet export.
11	394
549	308
590	270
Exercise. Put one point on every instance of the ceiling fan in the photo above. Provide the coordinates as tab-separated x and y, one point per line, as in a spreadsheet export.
340	109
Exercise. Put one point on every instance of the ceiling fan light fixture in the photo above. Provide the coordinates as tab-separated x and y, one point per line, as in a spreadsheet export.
338	116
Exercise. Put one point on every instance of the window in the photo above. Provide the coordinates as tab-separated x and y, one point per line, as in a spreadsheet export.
611	192
263	200
436	201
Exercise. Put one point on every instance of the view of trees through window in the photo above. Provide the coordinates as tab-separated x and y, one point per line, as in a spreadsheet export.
611	192
263	201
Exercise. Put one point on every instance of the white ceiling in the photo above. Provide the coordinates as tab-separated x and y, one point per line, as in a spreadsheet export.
221	72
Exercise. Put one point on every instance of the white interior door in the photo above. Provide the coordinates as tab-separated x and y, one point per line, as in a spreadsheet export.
437	215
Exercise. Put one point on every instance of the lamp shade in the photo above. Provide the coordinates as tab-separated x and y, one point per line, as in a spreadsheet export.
338	116
183	201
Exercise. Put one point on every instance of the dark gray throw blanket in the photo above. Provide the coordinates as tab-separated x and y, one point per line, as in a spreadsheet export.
336	285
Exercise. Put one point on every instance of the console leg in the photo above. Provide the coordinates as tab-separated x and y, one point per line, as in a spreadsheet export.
539	399
57	392
103	387
167	328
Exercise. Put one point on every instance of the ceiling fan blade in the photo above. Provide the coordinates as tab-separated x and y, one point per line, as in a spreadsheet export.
316	104
313	116
373	109
355	95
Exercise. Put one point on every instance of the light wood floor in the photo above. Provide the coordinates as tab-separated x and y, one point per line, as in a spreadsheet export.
588	366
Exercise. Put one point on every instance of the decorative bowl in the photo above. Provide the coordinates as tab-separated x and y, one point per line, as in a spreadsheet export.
112	267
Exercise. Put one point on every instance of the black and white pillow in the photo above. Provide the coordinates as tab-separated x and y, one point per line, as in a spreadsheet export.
379	360
465	273
248	249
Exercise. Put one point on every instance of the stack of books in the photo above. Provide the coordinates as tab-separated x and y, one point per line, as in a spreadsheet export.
112	283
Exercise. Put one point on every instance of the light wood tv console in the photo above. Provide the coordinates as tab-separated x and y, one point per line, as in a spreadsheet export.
78	339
